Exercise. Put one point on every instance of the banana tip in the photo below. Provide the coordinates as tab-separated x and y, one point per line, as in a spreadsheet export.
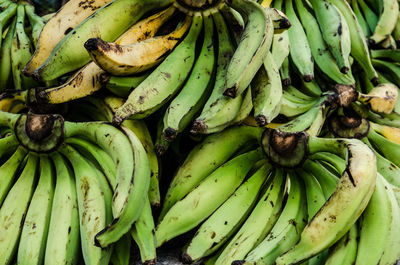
375	81
198	126
371	42
344	70
36	75
261	120
238	262
286	82
150	262
160	150
170	134
308	78
230	92
186	259
117	120
92	43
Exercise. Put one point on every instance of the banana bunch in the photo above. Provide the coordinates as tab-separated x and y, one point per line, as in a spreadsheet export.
66	186
19	32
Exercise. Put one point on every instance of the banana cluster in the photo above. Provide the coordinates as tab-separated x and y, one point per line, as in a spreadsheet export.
19	33
72	192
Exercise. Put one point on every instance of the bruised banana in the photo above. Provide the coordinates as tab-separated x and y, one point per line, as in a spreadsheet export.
134	58
89	78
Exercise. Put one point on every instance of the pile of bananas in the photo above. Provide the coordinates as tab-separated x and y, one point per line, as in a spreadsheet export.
295	103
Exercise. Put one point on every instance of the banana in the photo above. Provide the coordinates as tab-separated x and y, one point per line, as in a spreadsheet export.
143	234
382	98
389	43
97	156
280	21
360	18
224	222
346	204
369	14
258	224
199	164
6	15
70	53
387	21
390	55
345	250
219	110
63	246
280	48
91	205
122	251
300	51
15	206
245	108
20	52
37	23
319	48
89	78
285	72
196	90
326	179
374	226
267	90
144	100
359	47
391	253
65	20
203	200
291	109
286	231
390	69
335	31
33	240
121	60
9	170
391	133
388	148
336	161
252	49
5	57
123	86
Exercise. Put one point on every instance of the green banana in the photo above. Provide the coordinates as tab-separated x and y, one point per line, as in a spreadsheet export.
280	44
70	54
36	22
291	109
286	231
374	226
388	148
21	51
335	32
359	47
9	11
63	246
300	51
345	250
285	72
206	197
259	223
143	234
387	21
9	170
196	90
346	204
32	246
369	14
219	110
326	179
319	48
5	56
199	164
224	222
144	100
267	90
15	205
122	251
245	108
390	55
133	163
360	18
91	205
252	49
122	86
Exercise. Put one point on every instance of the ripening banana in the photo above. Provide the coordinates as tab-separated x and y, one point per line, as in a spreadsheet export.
169	77
89	78
65	20
382	98
387	21
70	54
252	49
129	59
